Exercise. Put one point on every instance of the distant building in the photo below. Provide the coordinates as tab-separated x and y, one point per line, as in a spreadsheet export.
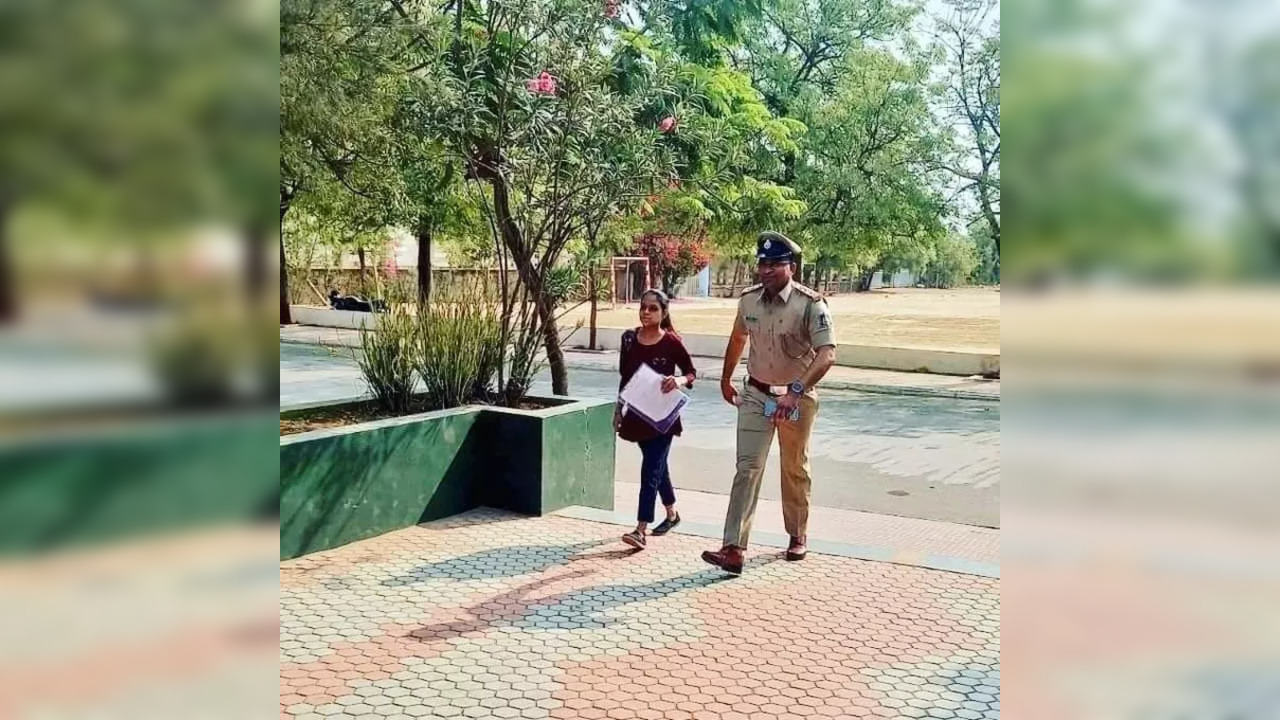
401	253
900	279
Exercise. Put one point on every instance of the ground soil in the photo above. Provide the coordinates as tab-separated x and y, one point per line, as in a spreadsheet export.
354	414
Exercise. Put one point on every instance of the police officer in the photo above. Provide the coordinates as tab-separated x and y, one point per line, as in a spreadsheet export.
792	348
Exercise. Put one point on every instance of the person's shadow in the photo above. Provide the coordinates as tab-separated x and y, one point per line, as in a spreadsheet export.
583	609
496	563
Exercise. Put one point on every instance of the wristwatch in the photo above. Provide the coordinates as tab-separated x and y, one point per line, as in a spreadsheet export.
796	388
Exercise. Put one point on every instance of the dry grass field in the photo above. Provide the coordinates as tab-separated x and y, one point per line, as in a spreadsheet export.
960	319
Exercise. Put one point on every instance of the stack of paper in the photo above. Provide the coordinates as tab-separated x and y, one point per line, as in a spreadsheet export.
643	395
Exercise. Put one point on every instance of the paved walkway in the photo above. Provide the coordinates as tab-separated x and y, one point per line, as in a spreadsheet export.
838	378
490	615
851	533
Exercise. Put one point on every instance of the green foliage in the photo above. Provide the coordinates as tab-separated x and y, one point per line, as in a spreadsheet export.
966	38
386	358
197	357
458	341
954	262
564	282
867	175
140	118
987	271
704	29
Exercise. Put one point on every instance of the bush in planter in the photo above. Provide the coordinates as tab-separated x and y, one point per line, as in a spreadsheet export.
458	347
386	358
524	354
196	359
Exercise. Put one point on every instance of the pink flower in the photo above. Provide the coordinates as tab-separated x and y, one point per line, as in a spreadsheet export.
611	8
544	84
667	125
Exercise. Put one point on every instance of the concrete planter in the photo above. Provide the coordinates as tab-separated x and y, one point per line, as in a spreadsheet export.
346	484
330	318
135	477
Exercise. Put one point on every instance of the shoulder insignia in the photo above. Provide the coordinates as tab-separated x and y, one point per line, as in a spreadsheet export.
808	292
753	288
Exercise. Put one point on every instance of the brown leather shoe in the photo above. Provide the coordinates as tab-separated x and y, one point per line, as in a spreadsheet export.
727	558
797	550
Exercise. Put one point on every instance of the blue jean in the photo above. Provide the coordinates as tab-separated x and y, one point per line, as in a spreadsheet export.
655	477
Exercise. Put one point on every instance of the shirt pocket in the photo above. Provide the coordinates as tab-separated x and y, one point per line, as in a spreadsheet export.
795	343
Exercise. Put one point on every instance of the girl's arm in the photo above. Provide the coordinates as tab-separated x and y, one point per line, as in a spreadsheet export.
685	363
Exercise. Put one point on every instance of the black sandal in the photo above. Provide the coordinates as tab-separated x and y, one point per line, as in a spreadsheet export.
666	526
634	539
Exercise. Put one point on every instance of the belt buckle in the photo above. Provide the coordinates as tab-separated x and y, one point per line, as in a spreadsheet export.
774	390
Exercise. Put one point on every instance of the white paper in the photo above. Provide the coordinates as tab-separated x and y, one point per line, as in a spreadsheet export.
643	393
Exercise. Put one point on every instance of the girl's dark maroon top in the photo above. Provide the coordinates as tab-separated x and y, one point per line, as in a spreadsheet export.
664	356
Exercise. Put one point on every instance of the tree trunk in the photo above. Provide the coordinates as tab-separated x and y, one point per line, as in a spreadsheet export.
988	212
286	317
864	281
737	278
551	339
591	288
8	288
364	282
424	263
510	233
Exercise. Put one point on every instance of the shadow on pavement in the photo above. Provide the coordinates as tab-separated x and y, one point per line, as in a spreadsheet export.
493	564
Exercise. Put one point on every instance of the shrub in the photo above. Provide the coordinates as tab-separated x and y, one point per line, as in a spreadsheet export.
458	346
386	358
524	352
197	357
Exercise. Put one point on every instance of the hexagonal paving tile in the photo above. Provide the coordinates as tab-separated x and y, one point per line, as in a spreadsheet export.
535	618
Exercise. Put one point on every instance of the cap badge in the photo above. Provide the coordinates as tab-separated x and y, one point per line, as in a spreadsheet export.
768	244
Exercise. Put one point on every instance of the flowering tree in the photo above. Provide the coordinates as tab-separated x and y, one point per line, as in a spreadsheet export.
674	257
547	135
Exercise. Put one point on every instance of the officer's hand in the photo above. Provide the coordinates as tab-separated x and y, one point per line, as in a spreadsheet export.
786	405
668	384
729	392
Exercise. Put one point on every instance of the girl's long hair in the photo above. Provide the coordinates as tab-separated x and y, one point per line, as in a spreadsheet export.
665	303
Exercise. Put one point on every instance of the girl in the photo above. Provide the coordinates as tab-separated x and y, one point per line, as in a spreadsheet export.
656	344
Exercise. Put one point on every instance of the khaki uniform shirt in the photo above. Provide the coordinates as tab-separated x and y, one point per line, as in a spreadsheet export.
785	331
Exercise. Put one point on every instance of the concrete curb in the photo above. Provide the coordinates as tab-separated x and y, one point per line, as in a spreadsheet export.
826	547
837	384
342	340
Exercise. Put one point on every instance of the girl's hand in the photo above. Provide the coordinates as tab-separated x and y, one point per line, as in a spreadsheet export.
668	384
617	421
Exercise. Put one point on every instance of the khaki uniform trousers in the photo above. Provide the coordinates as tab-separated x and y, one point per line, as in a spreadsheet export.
755	436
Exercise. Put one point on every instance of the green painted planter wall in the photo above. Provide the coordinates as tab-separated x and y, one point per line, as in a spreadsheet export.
551	459
135	478
348	484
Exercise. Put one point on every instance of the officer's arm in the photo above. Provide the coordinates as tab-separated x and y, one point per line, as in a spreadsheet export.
733	353
825	358
822	335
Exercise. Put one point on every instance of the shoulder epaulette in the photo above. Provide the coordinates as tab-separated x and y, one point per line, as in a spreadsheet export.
751	289
808	292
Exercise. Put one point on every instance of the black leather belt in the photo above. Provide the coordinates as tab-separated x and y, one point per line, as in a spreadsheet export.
765	388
